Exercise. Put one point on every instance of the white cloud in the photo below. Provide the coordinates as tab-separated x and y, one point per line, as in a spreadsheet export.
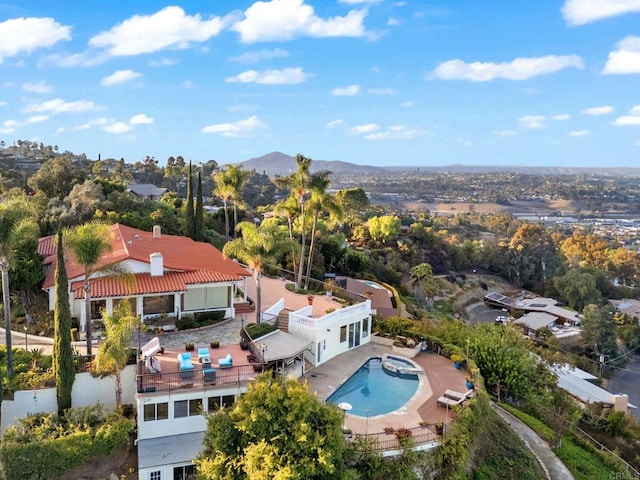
288	19
334	124
12	124
241	128
119	77
37	119
626	120
581	12
395	132
361	129
40	87
532	121
561	117
24	35
271	77
407	104
141	119
632	119
579	133
57	105
626	59
382	91
2	103
349	91
117	128
188	84
260	55
505	133
95	122
393	22
162	62
604	110
6	131
169	27
518	69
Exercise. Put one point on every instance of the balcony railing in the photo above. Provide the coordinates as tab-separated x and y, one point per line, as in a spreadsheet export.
199	378
381	442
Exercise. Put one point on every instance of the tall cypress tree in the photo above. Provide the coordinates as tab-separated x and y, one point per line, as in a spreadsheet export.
63	367
189	219
199	221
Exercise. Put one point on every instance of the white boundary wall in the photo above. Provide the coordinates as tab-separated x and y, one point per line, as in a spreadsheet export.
87	390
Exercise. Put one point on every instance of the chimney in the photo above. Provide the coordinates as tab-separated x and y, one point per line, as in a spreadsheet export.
157	231
620	402
157	264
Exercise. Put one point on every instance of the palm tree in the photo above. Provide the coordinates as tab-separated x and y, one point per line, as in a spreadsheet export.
298	183
289	208
236	178
88	243
114	352
14	219
256	247
224	191
320	201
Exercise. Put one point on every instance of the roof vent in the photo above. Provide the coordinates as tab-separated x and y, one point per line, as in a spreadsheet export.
157	232
130	242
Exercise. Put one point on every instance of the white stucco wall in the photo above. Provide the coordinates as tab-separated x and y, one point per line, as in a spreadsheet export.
87	390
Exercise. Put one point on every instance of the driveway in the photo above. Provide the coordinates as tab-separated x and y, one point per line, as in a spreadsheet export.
627	380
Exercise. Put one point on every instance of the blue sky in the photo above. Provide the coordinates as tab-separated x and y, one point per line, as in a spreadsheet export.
370	82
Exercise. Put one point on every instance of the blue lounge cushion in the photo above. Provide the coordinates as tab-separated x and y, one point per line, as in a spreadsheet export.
226	361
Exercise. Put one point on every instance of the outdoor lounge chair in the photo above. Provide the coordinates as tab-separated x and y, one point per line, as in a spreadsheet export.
203	355
184	365
225	362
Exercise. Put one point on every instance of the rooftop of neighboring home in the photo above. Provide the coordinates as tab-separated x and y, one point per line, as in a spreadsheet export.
184	261
627	305
146	189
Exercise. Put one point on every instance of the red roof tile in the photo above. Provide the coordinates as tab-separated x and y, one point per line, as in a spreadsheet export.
144	283
179	254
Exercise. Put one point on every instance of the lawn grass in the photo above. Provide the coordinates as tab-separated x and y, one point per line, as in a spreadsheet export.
583	464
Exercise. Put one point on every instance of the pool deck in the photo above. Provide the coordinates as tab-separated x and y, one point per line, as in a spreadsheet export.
439	375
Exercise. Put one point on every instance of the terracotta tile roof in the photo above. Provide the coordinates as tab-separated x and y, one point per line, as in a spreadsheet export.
179	254
144	284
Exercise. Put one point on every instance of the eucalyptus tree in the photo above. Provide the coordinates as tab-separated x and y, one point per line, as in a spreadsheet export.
236	178
15	223
88	243
63	368
257	247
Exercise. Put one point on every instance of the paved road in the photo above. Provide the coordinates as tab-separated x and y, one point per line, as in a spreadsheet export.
627	380
556	470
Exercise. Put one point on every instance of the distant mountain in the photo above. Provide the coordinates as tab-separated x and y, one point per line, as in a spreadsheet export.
278	163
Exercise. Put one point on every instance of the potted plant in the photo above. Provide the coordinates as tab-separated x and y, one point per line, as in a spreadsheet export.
469	382
310	299
215	344
189	346
329	285
389	430
439	428
457	360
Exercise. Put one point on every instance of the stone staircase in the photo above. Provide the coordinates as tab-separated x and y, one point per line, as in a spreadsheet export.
244	307
282	322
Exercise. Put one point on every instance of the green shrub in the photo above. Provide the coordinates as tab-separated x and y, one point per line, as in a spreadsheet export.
209	318
257	331
186	322
46	445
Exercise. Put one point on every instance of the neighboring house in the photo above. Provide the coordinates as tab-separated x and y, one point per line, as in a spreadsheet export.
382	300
628	306
172	275
146	191
334	333
534	321
577	383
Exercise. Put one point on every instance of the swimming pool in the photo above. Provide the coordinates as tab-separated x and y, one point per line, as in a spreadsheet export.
373	390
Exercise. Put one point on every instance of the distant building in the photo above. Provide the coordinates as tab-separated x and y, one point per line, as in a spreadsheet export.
146	191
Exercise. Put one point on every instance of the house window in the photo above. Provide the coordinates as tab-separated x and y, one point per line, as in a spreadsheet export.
343	334
156	411
158	304
155	475
214	403
97	307
185	472
187	408
365	327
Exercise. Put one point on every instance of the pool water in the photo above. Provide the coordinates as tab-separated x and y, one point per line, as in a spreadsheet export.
372	390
